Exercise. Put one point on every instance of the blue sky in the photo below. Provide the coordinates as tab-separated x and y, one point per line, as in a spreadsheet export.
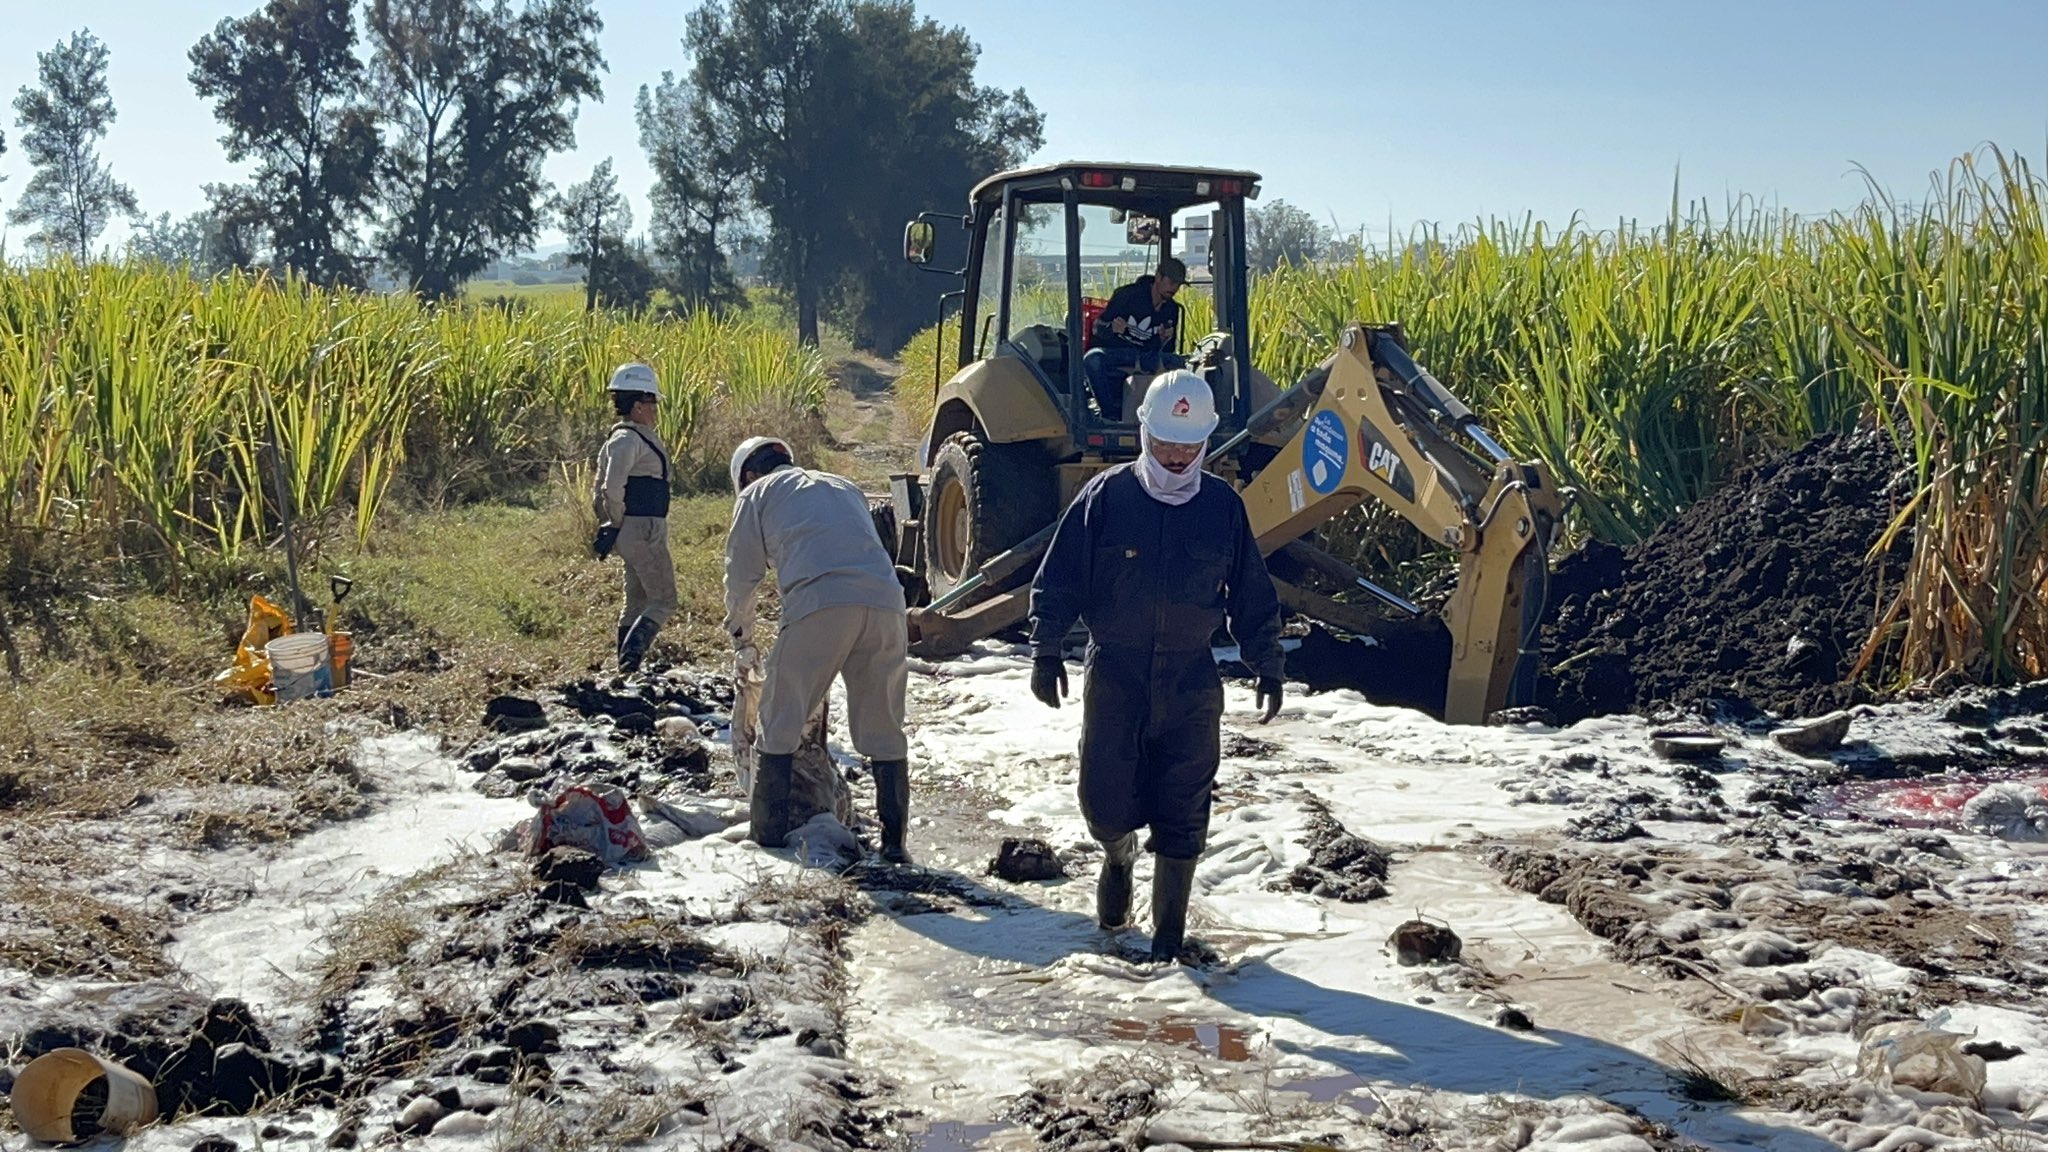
1368	114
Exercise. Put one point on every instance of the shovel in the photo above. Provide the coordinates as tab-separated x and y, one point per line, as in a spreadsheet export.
339	647
338	587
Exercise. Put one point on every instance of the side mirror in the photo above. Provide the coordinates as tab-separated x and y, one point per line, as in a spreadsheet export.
1141	229
918	238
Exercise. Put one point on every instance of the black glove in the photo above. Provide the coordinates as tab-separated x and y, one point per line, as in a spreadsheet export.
1269	695
1049	680
607	535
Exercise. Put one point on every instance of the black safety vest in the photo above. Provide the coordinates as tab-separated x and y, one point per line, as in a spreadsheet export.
645	495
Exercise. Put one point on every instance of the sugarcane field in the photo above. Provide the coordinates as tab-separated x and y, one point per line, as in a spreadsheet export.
916	576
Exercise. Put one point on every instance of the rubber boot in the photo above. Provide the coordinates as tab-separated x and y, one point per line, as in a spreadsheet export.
1113	884
892	804
633	649
768	806
1172	880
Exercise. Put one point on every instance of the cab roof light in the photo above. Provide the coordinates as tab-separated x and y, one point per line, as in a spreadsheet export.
1097	180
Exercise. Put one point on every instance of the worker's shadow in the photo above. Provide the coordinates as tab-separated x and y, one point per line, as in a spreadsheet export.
1414	1046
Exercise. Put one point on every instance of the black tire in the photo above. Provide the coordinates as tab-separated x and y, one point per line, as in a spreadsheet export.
883	514
983	500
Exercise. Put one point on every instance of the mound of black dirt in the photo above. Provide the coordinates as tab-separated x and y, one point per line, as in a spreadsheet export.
1762	594
203	1057
1340	866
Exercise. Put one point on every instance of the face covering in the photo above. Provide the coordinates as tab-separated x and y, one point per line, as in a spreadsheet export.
1159	483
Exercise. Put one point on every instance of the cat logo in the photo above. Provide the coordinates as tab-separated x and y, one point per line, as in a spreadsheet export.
1384	462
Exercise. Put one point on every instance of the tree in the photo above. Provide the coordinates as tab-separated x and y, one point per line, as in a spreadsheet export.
1279	232
699	195
176	243
72	196
476	98
845	113
203	243
932	133
287	83
622	279
235	226
591	213
772	79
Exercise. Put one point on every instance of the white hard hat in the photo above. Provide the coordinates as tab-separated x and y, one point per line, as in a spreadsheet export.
634	377
750	446
1179	408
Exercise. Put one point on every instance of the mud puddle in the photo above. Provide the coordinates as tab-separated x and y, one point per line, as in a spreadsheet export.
1222	1041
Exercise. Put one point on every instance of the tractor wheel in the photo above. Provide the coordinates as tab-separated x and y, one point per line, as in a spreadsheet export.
984	499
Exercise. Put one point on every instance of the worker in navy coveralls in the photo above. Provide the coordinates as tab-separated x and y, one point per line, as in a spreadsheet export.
1153	556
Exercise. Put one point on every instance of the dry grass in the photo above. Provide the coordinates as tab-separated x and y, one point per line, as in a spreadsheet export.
640	941
621	1118
1710	1079
813	896
384	935
50	926
217	778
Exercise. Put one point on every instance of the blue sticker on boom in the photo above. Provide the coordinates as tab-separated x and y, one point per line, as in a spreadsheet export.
1324	452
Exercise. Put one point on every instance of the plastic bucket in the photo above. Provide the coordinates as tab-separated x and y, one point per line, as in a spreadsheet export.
70	1095
298	666
339	650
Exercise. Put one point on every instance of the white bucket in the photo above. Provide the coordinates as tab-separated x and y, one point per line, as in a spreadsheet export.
299	666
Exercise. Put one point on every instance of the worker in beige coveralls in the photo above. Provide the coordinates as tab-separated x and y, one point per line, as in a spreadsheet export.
631	501
842	616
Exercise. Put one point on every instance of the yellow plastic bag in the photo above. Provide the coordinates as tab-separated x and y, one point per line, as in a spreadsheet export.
249	677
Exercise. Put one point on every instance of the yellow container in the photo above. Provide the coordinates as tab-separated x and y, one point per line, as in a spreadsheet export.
45	1097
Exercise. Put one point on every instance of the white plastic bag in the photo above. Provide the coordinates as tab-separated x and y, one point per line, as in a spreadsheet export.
1921	1056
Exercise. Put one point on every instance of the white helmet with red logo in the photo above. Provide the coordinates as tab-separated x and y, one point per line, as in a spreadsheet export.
1179	408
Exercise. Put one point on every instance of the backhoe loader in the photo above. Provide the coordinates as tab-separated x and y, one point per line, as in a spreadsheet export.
1016	428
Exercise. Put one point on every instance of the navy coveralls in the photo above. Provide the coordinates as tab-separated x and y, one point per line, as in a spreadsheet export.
1153	582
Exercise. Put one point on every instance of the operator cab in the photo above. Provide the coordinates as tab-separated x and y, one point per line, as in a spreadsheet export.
1048	246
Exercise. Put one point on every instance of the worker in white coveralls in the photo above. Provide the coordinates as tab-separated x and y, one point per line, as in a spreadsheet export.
1153	556
842	616
631	501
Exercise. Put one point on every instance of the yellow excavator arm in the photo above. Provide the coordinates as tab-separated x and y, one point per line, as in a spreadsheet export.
1378	426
